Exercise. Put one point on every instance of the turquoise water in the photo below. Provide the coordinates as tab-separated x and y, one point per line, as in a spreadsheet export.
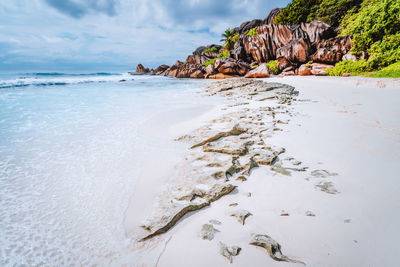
69	156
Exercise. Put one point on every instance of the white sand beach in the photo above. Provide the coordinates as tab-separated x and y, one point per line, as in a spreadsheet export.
346	132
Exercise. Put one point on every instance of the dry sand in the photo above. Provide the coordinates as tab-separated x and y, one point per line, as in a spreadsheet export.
346	126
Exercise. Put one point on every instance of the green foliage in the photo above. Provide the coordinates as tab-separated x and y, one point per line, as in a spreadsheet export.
375	19
273	66
252	32
227	35
228	39
391	71
211	50
385	52
210	62
333	11
221	55
374	25
255	66
348	66
308	64
297	11
235	38
328	11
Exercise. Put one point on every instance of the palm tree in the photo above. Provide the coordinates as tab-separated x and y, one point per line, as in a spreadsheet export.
227	38
227	35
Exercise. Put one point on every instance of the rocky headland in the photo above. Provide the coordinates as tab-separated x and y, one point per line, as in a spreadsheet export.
299	49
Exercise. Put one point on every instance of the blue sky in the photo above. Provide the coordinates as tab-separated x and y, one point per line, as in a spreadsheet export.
115	34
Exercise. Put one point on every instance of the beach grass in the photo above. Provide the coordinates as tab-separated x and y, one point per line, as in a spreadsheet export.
391	71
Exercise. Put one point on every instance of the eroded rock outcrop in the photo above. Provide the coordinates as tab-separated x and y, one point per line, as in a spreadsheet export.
228	252
182	70
141	69
231	67
295	43
161	69
319	69
221	152
317	31
291	45
241	215
247	26
272	247
176	206
261	71
332	50
272	15
305	70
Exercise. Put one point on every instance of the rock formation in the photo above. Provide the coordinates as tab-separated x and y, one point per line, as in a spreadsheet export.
218	157
304	70
291	45
272	15
228	252
161	69
241	215
185	70
231	67
320	69
248	25
332	50
260	72
141	69
272	247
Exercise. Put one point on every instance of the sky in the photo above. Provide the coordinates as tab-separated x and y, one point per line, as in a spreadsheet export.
115	34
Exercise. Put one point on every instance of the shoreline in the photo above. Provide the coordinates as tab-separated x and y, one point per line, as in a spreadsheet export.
169	127
187	229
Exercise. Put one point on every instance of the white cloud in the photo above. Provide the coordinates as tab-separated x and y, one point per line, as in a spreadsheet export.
119	33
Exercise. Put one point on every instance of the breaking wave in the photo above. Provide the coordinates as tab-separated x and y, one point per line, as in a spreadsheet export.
60	79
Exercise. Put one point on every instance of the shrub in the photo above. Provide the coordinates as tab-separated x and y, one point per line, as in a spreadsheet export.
348	66
210	62
375	19
211	50
297	11
221	55
253	32
272	65
385	52
328	11
235	38
333	11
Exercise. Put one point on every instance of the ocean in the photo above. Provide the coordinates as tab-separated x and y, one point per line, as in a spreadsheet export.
72	146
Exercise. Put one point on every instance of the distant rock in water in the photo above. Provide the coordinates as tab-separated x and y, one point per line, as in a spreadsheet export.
141	69
161	69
